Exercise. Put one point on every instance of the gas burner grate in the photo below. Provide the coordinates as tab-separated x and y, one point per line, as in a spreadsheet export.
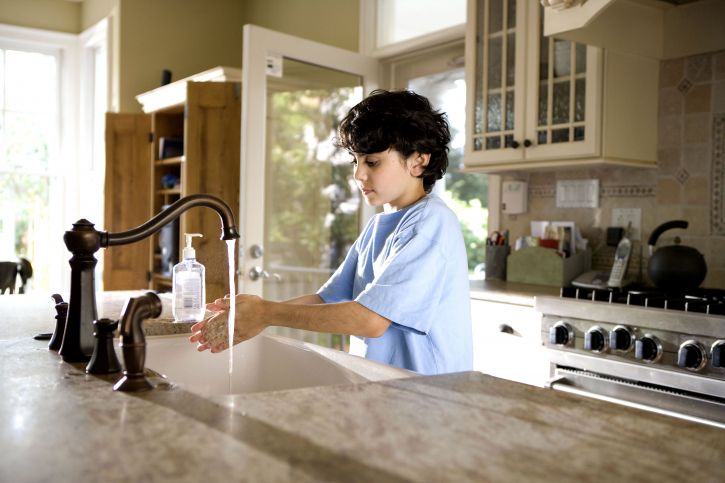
702	301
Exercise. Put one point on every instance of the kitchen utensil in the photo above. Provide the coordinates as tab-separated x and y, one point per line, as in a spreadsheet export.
675	267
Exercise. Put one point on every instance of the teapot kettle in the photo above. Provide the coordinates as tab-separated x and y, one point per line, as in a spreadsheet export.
675	267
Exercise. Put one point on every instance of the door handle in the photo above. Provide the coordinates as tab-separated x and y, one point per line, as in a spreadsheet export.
255	273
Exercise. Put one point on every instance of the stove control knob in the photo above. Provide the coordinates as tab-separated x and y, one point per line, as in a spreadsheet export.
718	358
648	348
692	356
595	340
561	333
621	338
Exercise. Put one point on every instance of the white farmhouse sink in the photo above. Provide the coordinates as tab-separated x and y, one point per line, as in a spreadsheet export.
264	363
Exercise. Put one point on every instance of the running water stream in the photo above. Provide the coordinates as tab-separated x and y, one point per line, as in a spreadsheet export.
232	308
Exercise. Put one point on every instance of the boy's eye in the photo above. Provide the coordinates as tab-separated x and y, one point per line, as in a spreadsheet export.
353	162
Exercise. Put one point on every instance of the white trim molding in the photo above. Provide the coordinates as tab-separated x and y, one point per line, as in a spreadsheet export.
368	35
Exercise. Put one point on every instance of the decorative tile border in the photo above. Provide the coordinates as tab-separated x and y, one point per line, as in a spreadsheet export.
542	191
607	191
627	191
718	174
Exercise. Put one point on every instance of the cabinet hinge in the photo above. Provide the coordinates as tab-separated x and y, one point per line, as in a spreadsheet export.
148	276
151	137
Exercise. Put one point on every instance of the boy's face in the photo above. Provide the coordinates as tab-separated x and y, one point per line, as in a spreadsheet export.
387	179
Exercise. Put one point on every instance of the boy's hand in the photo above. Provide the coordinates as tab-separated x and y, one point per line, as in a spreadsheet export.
213	332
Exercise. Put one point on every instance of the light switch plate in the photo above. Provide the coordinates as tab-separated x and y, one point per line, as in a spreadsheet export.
577	193
623	216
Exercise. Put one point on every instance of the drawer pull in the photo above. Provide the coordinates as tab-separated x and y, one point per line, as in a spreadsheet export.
506	329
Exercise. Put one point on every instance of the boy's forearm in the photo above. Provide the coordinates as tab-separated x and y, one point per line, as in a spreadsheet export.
340	318
305	300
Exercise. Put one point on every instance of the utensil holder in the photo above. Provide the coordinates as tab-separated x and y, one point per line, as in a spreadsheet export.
496	256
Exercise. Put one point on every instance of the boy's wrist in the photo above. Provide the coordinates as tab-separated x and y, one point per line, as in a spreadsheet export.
268	313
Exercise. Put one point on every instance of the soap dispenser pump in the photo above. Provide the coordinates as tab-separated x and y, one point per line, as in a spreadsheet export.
189	285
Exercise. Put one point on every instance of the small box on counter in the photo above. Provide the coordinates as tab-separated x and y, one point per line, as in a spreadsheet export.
544	266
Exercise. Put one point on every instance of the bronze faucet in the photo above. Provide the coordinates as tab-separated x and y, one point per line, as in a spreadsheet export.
84	240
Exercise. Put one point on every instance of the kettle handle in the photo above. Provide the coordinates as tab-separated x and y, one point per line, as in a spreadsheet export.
664	227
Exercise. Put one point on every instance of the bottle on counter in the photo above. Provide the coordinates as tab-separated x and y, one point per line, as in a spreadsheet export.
189	286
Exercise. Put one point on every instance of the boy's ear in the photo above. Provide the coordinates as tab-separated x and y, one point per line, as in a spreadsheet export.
420	161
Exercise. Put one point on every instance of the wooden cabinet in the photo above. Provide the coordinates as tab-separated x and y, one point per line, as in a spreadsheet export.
507	342
187	142
127	198
535	101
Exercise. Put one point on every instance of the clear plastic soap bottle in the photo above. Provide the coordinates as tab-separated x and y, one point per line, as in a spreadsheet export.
189	286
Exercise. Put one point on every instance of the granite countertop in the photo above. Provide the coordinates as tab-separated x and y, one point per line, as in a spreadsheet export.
60	424
510	292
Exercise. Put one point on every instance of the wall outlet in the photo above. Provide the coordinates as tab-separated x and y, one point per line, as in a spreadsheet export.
623	216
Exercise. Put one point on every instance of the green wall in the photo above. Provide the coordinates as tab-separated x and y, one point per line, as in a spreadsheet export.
333	22
184	36
42	14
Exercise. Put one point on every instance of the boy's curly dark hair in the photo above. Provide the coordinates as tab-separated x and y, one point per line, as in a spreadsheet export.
400	120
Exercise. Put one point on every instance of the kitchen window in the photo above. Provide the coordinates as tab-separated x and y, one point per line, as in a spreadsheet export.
394	27
30	162
46	181
422	49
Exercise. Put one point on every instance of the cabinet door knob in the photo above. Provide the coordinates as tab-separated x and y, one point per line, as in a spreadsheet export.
527	143
515	144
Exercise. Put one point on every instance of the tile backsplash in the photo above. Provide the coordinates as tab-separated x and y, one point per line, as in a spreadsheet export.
688	182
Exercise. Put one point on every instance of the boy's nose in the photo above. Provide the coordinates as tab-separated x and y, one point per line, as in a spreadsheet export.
359	173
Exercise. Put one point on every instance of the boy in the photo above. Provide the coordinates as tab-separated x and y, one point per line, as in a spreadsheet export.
402	291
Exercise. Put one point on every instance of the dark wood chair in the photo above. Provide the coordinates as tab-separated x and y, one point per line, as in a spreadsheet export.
9	272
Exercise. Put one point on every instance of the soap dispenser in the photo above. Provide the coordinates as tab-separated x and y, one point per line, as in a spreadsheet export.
189	286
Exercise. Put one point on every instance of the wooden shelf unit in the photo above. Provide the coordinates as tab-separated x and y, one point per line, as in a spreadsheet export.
209	122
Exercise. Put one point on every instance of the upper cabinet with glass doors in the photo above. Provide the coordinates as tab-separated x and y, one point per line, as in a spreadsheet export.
535	101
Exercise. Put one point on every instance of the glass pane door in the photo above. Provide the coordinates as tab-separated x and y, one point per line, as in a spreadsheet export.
311	208
300	213
495	79
561	106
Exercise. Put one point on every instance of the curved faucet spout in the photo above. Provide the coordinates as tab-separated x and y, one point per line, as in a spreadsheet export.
229	230
84	240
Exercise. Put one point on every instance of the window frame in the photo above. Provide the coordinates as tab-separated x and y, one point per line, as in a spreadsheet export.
75	123
402	52
368	35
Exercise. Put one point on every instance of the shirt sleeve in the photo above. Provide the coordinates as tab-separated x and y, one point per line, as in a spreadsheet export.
407	289
339	286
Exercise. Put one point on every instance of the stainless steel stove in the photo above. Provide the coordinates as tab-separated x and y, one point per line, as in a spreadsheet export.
663	352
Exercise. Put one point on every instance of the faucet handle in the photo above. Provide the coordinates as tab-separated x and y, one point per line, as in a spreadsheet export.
104	359
61	311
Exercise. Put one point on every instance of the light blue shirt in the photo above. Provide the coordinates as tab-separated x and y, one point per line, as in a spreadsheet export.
410	267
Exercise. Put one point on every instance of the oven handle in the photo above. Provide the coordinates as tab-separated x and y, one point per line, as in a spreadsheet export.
711	413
